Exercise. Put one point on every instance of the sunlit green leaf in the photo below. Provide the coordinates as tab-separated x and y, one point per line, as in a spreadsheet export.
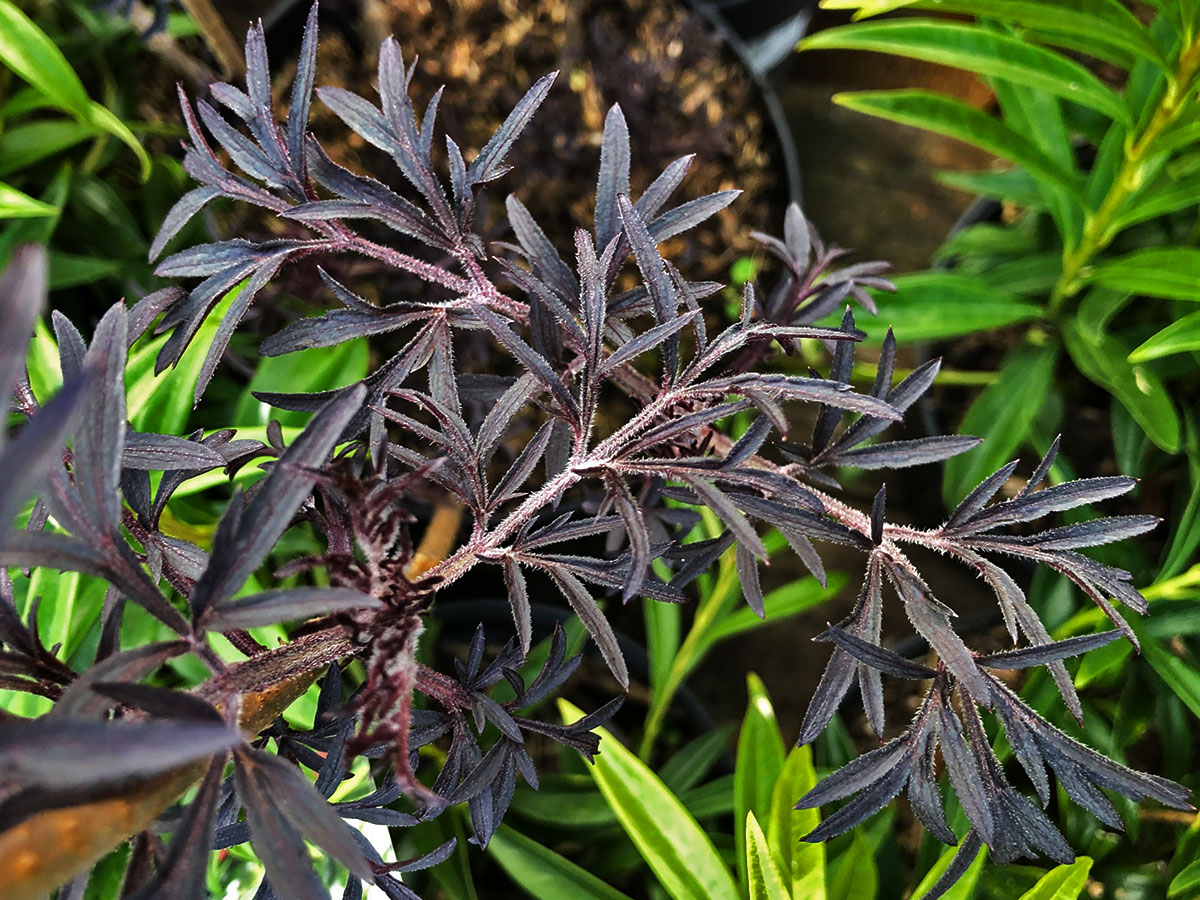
802	864
544	873
16	204
763	879
953	118
1180	336
1102	358
675	847
759	762
1062	883
1172	272
977	50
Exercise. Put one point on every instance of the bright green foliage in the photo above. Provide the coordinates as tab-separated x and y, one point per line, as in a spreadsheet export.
675	847
1063	883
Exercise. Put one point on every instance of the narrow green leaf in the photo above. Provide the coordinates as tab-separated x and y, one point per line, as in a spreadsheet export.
1186	884
1172	272
791	599
964	888
30	53
542	872
759	763
24	145
71	269
977	50
1102	358
106	120
803	864
953	118
1062	883
1013	185
675	847
663	629
694	760
1097	22
935	305
16	204
1002	415
1180	675
1180	336
854	875
162	403
305	371
762	876
1163	198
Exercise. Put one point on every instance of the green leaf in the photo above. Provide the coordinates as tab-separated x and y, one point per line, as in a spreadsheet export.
24	145
15	204
675	847
71	269
1062	883
1032	275
1180	336
953	118
1014	185
1098	21
1102	358
1163	198
694	760
162	403
964	888
803	864
935	305
29	52
1172	272
791	599
854	875
105	119
762	876
865	8
1186	884
1180	675
663	627
543	873
759	762
980	51
316	369
1002	415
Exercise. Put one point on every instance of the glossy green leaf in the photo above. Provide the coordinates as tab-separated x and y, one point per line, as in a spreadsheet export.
317	369
802	864
1062	883
759	762
675	847
1186	884
854	875
16	204
1162	199
1013	185
72	269
977	50
1099	22
663	630
788	600
1102	358
542	872
936	305
29	52
964	888
1172	272
694	760
162	403
865	8
1002	415
953	118
1180	336
25	145
763	879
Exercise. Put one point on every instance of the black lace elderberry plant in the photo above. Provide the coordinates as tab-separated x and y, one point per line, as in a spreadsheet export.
600	400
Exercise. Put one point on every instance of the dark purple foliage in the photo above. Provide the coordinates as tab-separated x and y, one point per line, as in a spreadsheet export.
601	403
